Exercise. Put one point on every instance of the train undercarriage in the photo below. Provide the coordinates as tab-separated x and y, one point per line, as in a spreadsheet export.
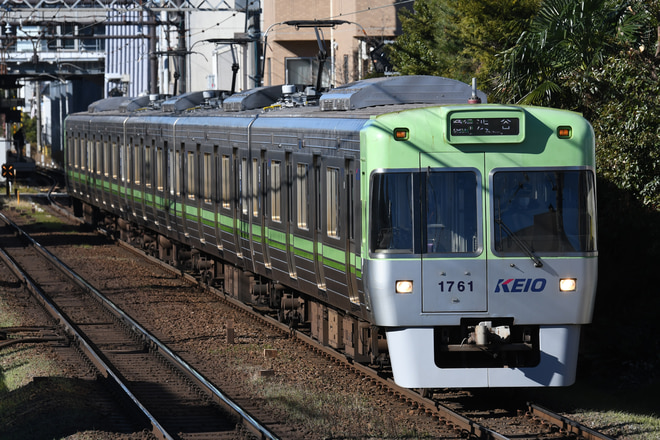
359	340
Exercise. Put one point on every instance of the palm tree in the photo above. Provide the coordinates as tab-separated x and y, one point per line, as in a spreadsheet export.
553	61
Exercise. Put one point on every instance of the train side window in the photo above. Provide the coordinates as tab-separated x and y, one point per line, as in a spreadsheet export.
127	160
226	186
122	163
89	155
255	187
99	157
207	178
76	152
159	170
243	185
190	169
302	197
115	159
332	202
276	190
137	175
147	164
107	165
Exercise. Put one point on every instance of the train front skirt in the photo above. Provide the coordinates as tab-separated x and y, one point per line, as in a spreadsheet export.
413	362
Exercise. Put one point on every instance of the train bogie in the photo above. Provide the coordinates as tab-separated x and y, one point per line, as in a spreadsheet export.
464	232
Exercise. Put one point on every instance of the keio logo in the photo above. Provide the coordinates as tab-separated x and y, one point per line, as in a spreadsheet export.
520	285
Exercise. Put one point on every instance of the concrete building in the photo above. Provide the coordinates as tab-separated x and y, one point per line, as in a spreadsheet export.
291	55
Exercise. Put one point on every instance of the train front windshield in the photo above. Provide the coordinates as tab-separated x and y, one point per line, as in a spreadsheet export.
425	212
438	212
551	212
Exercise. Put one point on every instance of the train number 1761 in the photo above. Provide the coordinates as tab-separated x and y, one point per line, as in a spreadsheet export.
456	286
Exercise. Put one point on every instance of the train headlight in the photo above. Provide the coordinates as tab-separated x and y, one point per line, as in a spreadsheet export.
404	286
567	284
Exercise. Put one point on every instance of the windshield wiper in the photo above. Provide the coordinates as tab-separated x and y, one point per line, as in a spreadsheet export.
521	244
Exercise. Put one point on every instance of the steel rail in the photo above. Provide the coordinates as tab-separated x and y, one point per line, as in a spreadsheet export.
252	423
105	369
453	419
564	423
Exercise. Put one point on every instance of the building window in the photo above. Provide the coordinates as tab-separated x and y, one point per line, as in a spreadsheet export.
304	71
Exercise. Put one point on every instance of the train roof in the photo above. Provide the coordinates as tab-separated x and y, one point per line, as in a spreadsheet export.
359	99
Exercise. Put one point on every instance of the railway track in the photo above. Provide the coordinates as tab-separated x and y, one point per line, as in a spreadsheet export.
176	400
539	422
549	423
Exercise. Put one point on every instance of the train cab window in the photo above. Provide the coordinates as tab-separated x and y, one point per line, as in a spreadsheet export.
190	173
332	201
544	211
392	212
226	186
302	197
450	212
276	191
429	212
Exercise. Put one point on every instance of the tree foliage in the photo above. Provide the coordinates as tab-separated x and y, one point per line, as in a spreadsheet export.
553	61
458	39
597	57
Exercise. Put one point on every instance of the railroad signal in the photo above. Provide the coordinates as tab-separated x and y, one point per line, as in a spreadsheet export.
8	170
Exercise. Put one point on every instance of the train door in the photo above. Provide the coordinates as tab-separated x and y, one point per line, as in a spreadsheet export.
351	216
243	210
318	224
191	209
162	191
115	170
91	167
265	221
258	230
207	218
451	225
290	220
250	231
175	165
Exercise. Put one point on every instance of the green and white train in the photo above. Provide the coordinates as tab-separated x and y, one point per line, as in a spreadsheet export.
395	209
